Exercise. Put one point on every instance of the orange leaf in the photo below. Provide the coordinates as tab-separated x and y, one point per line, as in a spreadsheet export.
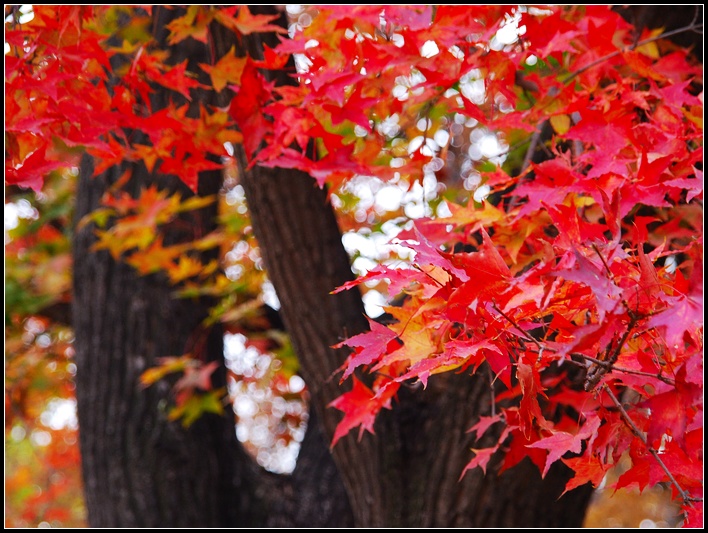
245	23
193	24
227	70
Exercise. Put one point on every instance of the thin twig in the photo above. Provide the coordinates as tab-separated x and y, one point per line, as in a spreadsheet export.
607	267
695	16
491	390
595	374
618	349
632	315
511	321
535	139
607	364
625	416
528	156
690	27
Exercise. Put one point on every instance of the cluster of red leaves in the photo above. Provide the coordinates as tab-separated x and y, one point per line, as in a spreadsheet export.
51	105
62	92
579	285
581	288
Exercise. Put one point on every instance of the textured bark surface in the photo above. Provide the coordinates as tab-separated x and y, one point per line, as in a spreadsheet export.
139	469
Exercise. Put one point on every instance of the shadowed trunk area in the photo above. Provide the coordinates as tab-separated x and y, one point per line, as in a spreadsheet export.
139	468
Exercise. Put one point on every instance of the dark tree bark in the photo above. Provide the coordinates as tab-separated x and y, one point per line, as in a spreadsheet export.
141	470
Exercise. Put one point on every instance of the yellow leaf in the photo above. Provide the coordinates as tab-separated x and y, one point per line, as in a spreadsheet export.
126	47
197	404
560	123
154	258
651	49
186	268
695	115
168	365
192	24
149	155
486	214
439	274
99	217
211	240
196	202
420	337
227	70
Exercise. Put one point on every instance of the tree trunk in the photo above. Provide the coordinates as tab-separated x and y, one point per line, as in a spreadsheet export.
407	474
139	468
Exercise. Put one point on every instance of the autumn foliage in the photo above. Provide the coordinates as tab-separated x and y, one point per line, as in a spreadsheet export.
564	265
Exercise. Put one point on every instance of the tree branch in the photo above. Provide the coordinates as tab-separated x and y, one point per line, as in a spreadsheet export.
610	366
627	420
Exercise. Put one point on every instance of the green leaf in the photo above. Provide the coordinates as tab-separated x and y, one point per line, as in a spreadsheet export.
198	404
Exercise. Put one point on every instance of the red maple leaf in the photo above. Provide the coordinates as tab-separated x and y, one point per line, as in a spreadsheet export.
483	456
369	346
427	254
561	442
32	170
607	294
684	315
246	108
608	132
360	407
354	110
588	469
179	79
668	417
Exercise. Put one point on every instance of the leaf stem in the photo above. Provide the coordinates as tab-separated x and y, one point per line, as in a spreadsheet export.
632	315
511	321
